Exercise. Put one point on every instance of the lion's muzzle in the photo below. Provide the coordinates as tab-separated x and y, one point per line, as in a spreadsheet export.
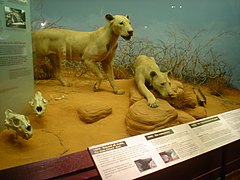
130	34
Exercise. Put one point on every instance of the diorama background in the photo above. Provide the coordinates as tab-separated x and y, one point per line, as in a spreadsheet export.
152	20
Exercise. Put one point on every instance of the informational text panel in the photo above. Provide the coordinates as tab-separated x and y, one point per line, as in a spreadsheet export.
146	153
16	67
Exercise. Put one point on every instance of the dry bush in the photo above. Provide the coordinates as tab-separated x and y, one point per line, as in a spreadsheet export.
217	85
42	68
74	68
121	73
188	57
182	54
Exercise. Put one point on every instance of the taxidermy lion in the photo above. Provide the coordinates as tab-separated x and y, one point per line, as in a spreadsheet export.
146	71
92	47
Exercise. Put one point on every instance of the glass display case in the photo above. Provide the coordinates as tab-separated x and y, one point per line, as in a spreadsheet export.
70	68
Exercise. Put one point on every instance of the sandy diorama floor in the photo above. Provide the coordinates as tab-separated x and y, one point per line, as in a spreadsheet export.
60	131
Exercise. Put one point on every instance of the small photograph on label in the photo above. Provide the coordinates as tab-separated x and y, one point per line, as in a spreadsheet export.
15	18
169	155
145	164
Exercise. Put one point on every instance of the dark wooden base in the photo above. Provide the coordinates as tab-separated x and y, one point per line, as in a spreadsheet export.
211	165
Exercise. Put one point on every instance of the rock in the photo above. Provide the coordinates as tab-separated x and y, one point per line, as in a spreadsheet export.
134	95
93	112
134	132
186	97
177	87
184	117
141	118
131	131
199	112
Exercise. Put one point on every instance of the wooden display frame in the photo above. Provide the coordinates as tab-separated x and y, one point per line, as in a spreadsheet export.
211	165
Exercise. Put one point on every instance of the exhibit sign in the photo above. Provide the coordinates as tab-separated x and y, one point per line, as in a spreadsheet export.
140	155
16	67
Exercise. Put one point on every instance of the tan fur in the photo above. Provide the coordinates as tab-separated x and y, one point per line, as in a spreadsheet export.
97	46
147	71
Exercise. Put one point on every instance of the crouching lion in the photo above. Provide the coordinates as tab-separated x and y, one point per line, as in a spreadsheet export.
147	72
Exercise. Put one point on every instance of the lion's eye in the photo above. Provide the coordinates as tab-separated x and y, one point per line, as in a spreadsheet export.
121	23
162	84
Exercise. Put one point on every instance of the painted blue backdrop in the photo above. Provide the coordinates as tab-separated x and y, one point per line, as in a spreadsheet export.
151	20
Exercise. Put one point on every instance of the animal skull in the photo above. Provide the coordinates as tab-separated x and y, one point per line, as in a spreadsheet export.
38	104
18	123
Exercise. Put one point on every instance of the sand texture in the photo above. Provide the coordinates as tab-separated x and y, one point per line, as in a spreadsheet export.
60	131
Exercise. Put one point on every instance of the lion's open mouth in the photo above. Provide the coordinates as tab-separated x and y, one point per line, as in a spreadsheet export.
126	37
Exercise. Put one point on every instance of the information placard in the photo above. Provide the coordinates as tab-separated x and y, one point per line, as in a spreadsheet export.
143	154
16	67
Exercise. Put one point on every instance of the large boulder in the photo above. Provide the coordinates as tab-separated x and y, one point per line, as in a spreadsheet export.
184	117
134	95
186	98
198	112
93	112
141	118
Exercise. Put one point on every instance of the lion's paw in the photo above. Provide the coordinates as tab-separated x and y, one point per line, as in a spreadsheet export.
153	104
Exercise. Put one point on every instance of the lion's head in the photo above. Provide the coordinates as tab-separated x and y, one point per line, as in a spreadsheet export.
120	26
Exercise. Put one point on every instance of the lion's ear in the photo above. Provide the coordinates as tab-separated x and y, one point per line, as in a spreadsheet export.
109	17
153	73
127	16
169	74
